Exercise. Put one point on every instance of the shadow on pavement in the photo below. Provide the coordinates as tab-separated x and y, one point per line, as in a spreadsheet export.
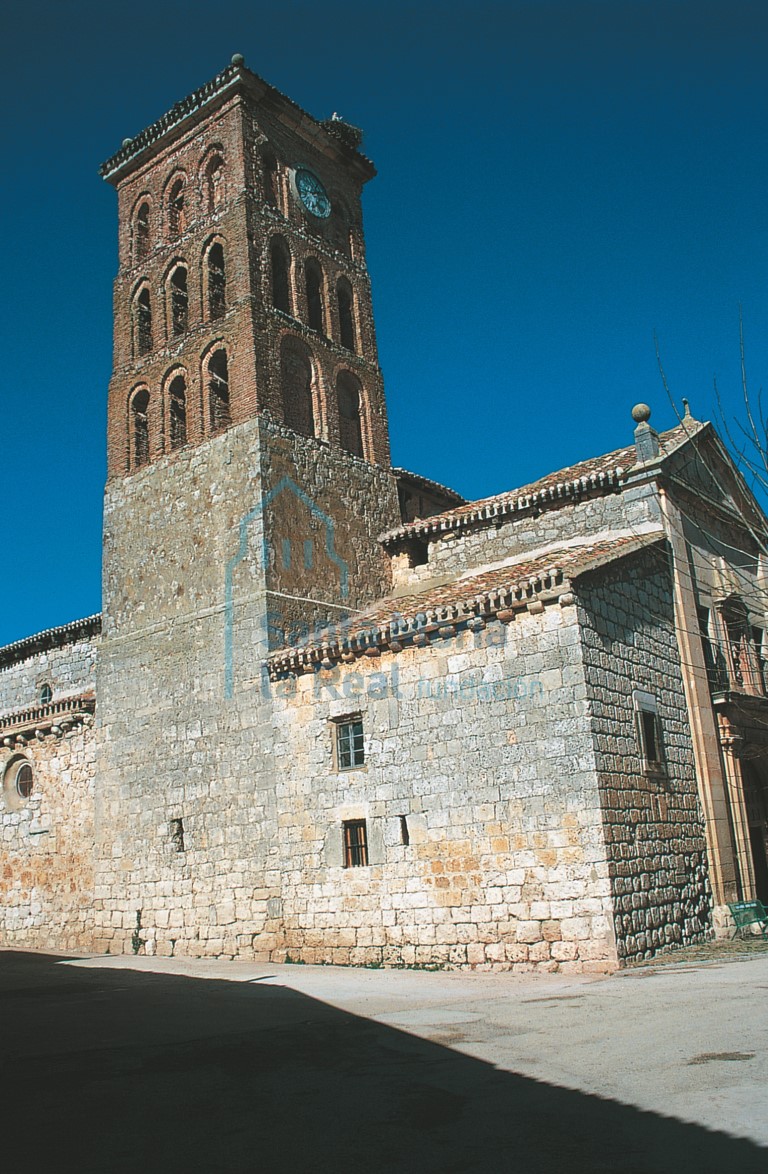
118	1070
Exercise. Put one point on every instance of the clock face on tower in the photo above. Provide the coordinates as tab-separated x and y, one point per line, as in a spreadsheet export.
312	194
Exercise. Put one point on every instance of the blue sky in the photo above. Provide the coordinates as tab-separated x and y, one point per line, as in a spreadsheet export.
557	182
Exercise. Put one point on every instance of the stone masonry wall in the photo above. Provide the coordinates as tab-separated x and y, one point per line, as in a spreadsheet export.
187	852
478	751
636	510
69	670
46	843
653	821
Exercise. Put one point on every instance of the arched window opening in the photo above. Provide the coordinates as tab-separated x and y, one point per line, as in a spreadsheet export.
346	319
140	428
281	290
143	322
46	694
214	183
176	212
271	180
177	412
313	275
350	429
179	301
218	391
217	282
141	232
296	383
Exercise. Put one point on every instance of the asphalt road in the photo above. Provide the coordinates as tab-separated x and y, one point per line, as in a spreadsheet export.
142	1064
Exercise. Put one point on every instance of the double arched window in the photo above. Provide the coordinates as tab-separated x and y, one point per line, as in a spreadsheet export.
348	396
142	322
296	376
217	372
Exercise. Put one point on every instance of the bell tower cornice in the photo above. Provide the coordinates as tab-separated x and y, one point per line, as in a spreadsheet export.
332	137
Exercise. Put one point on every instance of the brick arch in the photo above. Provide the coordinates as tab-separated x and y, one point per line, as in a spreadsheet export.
212	196
169	403
216	385
141	241
352	406
175	215
138	440
300	390
213	286
271	175
280	292
315	290
346	313
143	324
176	294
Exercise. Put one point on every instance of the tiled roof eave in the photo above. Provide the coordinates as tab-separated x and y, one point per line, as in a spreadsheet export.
418	629
593	484
50	638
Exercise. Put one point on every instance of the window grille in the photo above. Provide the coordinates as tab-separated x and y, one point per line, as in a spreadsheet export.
355	843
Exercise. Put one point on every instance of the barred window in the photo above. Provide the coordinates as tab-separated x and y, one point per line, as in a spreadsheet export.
355	843
349	744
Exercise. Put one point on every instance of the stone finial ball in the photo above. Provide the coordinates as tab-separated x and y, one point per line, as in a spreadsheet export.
238	59
641	413
127	142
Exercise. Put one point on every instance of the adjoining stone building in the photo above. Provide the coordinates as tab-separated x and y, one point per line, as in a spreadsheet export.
340	713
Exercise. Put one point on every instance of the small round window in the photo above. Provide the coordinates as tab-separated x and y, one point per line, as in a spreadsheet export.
24	780
18	783
46	694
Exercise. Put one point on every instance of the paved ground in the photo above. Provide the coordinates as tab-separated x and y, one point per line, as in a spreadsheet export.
141	1064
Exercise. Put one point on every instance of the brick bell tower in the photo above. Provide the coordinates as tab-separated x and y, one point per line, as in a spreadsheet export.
243	295
248	480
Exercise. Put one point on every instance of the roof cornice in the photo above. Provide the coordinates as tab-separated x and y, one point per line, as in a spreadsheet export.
50	638
504	506
234	78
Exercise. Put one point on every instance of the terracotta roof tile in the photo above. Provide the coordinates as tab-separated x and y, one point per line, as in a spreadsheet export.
399	618
597	474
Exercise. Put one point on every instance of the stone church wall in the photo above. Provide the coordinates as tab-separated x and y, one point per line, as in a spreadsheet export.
46	839
487	545
478	751
653	821
69	670
46	843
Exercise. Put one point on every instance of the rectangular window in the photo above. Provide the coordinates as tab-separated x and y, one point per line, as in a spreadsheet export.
355	844
349	743
648	730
